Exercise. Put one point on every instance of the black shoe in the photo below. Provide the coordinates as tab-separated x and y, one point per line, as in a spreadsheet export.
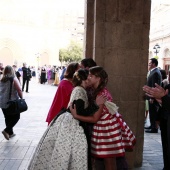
6	135
149	127
152	131
27	92
11	136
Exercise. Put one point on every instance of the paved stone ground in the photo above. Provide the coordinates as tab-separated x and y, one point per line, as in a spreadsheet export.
15	154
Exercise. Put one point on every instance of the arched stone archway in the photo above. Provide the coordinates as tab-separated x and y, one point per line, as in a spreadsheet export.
6	55
166	53
44	58
166	60
10	51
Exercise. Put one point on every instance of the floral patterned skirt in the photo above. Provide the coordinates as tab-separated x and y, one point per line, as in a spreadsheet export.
62	147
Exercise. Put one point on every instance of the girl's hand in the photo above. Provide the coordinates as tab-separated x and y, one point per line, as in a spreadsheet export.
73	111
101	100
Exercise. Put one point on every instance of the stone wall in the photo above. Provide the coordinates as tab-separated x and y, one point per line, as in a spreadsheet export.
117	37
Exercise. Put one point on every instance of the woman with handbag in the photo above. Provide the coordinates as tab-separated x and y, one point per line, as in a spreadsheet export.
9	81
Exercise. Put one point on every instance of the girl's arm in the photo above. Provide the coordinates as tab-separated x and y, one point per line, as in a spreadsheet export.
91	119
18	87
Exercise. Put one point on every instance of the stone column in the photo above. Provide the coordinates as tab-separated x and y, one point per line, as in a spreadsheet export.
120	45
89	28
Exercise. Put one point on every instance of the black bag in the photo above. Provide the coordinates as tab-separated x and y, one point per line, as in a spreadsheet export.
15	106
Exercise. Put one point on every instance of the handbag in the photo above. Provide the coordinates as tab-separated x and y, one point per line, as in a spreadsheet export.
15	106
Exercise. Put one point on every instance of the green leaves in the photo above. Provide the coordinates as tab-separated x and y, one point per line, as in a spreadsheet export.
72	53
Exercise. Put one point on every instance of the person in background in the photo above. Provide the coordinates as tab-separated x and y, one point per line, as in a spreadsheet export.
10	119
60	69
165	81
39	74
53	74
63	92
17	73
154	77
49	74
56	81
1	70
63	72
43	75
146	101
33	71
26	77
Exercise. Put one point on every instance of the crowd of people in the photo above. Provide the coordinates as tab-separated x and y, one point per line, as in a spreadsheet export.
85	128
50	74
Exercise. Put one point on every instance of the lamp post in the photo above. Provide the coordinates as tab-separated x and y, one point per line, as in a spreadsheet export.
156	49
38	58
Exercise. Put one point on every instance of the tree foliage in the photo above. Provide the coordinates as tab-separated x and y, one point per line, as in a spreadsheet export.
72	53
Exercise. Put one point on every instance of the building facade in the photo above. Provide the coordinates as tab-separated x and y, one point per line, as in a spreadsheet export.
160	33
33	32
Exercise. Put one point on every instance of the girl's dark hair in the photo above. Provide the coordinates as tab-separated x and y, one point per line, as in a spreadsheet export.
163	73
79	76
99	72
8	73
72	67
88	62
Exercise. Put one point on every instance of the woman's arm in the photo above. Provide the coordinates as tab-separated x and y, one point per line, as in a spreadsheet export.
18	87
91	119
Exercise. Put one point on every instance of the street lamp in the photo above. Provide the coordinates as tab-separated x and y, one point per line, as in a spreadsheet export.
156	49
38	58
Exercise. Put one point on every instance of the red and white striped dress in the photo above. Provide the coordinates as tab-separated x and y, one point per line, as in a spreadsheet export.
111	135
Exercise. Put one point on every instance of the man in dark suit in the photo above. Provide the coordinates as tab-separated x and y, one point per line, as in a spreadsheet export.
154	77
26	77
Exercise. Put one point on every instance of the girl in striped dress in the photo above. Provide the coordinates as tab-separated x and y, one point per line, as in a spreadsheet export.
110	135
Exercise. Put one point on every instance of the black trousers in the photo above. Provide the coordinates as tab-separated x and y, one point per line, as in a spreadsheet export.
153	114
165	137
25	80
10	121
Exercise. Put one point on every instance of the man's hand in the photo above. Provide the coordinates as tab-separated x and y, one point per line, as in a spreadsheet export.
155	92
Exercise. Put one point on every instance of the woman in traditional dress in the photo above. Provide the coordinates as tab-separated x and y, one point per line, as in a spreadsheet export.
64	144
110	135
63	92
49	74
43	75
56	81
